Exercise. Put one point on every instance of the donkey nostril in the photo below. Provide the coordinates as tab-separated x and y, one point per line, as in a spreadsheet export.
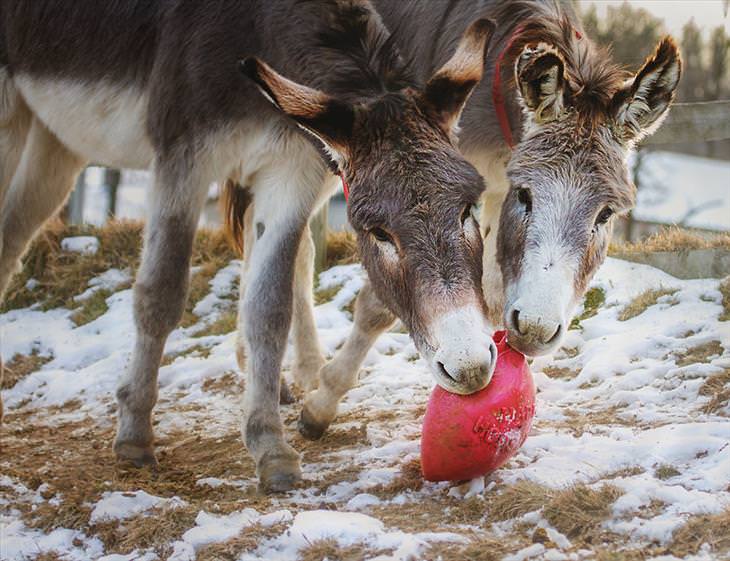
445	372
516	321
555	335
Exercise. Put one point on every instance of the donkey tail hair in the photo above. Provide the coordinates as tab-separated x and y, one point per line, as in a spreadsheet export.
234	202
8	95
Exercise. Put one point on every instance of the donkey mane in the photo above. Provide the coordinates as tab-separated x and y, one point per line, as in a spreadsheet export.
369	63
592	77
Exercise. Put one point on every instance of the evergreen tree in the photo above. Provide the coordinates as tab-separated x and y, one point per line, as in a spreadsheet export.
719	47
692	84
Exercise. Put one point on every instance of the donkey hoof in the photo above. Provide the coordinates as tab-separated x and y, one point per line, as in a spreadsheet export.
138	456
279	474
308	427
285	395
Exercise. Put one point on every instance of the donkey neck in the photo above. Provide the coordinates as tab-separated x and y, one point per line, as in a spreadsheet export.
427	34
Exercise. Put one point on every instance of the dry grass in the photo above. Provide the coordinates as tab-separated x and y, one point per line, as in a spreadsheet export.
713	530
699	354
341	248
673	239
640	303
226	323
579	511
481	547
246	541
578	422
61	456
725	291
324	295
560	372
576	511
156	530
196	350
62	275
410	478
623	554
519	499
330	550
717	388
92	308
593	300
21	366
666	471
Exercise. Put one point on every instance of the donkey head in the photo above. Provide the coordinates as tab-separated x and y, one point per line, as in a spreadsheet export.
411	201
569	179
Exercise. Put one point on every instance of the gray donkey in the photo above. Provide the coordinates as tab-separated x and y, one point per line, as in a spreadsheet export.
156	84
552	198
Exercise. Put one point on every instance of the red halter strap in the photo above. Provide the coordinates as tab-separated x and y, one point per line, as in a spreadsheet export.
345	187
498	94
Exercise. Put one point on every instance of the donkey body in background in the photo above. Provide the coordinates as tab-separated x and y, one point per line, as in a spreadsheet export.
156	84
550	202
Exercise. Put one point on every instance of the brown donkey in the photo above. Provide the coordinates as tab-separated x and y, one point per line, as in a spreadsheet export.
156	84
550	201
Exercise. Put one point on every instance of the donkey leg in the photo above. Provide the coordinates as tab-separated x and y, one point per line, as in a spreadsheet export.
15	120
308	354
372	318
249	236
44	176
159	300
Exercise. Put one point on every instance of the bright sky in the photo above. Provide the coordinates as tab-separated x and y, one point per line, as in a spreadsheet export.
708	14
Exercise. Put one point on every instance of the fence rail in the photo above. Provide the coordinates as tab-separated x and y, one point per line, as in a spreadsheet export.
686	122
694	122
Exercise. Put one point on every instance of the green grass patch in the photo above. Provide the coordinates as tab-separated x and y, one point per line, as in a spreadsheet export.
725	291
666	471
594	299
92	308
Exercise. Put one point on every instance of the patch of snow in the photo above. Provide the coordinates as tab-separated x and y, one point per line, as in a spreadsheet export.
683	189
120	505
85	245
108	280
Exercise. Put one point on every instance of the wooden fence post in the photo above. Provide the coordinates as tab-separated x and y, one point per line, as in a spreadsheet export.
318	225
74	211
112	178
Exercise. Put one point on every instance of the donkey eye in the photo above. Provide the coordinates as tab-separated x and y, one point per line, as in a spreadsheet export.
466	213
381	235
604	215
525	199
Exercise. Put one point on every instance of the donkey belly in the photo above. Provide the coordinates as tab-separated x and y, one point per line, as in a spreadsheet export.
102	122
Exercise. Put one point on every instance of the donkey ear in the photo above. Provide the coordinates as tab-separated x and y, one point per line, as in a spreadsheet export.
642	104
449	88
540	77
323	116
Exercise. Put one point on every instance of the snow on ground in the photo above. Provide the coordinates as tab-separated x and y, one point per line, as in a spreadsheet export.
620	404
687	190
